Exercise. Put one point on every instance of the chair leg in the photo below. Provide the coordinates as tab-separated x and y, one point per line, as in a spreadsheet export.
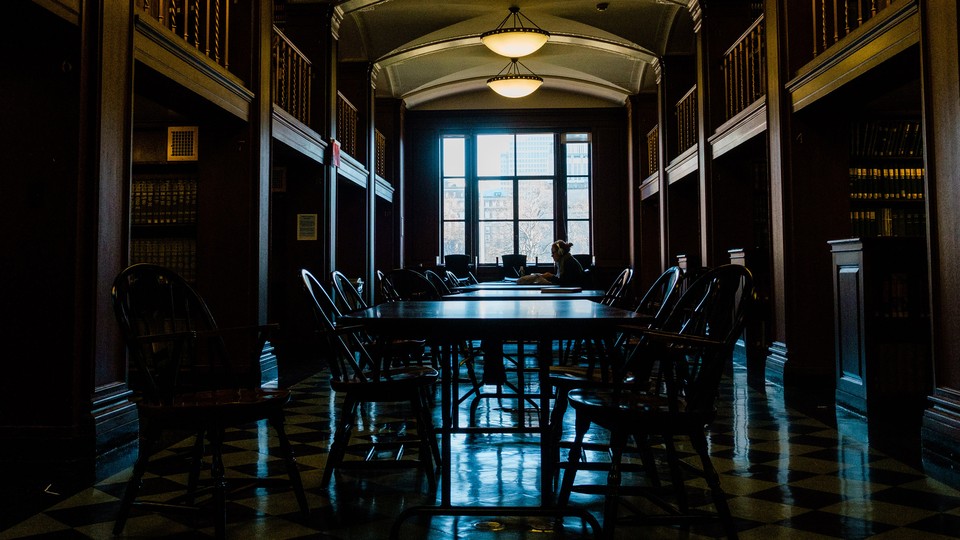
573	460
676	475
431	434
341	437
197	462
286	449
699	442
147	444
219	483
646	456
612	500
556	427
423	432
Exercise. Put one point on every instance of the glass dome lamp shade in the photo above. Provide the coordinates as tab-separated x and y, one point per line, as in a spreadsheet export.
513	84
515	41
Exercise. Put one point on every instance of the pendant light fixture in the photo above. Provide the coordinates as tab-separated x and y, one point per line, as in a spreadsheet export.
515	41
511	83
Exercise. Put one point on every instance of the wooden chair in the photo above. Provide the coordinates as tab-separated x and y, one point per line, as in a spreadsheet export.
360	378
385	290
586	262
412	285
617	291
453	281
587	350
671	392
656	304
185	380
390	350
458	263
348	298
514	265
438	282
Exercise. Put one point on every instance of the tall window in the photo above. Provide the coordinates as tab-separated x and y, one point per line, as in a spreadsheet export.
577	155
525	190
454	195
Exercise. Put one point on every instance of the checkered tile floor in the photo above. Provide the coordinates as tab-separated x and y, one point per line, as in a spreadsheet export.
786	475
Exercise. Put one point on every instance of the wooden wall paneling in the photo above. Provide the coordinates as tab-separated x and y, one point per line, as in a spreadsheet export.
941	94
302	192
819	206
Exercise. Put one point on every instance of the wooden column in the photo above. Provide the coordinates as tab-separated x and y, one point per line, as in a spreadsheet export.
778	130
663	120
370	128
261	126
940	51
329	70
106	72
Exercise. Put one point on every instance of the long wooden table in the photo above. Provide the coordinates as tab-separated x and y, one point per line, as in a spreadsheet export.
548	293
451	321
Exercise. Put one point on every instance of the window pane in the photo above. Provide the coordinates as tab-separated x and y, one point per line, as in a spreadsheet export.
535	154
495	155
578	198
454	203
578	159
496	199
535	198
578	232
453	156
496	239
535	239
454	239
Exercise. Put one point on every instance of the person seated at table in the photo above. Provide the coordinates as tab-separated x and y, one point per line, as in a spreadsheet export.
569	272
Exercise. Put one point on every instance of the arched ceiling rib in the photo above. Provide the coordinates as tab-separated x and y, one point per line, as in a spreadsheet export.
428	51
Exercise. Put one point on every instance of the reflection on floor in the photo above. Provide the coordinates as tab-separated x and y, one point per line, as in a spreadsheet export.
786	474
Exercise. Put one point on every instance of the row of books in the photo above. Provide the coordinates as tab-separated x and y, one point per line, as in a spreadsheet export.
895	299
178	254
887	138
900	183
164	201
887	222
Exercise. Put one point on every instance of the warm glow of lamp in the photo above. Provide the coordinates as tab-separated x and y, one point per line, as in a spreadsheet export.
515	41
513	84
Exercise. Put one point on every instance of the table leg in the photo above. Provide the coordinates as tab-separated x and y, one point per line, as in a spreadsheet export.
448	404
544	359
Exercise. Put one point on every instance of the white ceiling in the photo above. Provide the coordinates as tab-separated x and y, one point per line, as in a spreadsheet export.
428	52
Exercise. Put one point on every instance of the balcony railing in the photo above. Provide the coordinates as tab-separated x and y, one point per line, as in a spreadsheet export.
347	126
291	77
744	70
834	19
687	120
653	161
203	24
381	156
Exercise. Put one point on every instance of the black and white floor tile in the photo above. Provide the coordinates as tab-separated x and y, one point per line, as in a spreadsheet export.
786	475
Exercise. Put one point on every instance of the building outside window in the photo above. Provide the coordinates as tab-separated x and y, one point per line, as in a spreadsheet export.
524	191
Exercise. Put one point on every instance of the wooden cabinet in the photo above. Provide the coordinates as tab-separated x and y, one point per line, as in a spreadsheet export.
882	322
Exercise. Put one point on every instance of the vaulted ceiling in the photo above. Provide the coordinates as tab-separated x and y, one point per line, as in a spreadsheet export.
428	52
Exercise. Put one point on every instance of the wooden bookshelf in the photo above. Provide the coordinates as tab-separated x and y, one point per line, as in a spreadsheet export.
887	179
163	206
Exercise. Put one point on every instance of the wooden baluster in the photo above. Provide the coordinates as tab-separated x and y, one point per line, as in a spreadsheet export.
216	31
226	36
725	67
196	24
206	30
